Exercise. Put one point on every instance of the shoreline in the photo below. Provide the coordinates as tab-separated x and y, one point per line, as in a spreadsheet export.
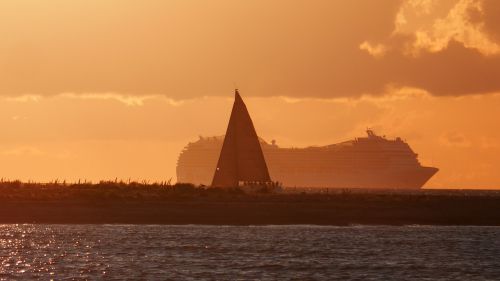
185	204
225	214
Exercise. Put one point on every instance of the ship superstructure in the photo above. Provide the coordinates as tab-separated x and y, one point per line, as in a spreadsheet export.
366	162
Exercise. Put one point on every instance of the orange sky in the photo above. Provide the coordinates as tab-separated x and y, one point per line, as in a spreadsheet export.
103	89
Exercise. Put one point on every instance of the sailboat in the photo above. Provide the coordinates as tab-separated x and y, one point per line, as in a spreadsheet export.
241	161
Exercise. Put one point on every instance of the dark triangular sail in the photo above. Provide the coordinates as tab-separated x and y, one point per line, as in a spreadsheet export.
241	157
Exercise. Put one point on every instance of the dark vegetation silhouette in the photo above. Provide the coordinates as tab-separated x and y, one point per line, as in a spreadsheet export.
117	189
183	203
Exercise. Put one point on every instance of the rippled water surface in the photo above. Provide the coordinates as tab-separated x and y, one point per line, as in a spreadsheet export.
268	252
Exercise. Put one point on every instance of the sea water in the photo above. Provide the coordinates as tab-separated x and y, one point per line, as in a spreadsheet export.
194	252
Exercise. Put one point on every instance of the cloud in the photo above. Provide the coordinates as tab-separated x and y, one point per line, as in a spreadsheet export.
433	32
129	100
377	50
454	139
444	47
180	50
24	98
491	10
24	150
489	143
130	52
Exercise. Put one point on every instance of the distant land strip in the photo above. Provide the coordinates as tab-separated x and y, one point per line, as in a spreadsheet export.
162	203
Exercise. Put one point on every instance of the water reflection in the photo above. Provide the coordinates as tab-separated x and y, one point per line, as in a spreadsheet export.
222	252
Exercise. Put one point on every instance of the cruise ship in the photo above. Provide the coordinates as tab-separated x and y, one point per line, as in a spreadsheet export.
366	162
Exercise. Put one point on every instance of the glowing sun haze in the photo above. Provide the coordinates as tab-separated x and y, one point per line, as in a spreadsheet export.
102	89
